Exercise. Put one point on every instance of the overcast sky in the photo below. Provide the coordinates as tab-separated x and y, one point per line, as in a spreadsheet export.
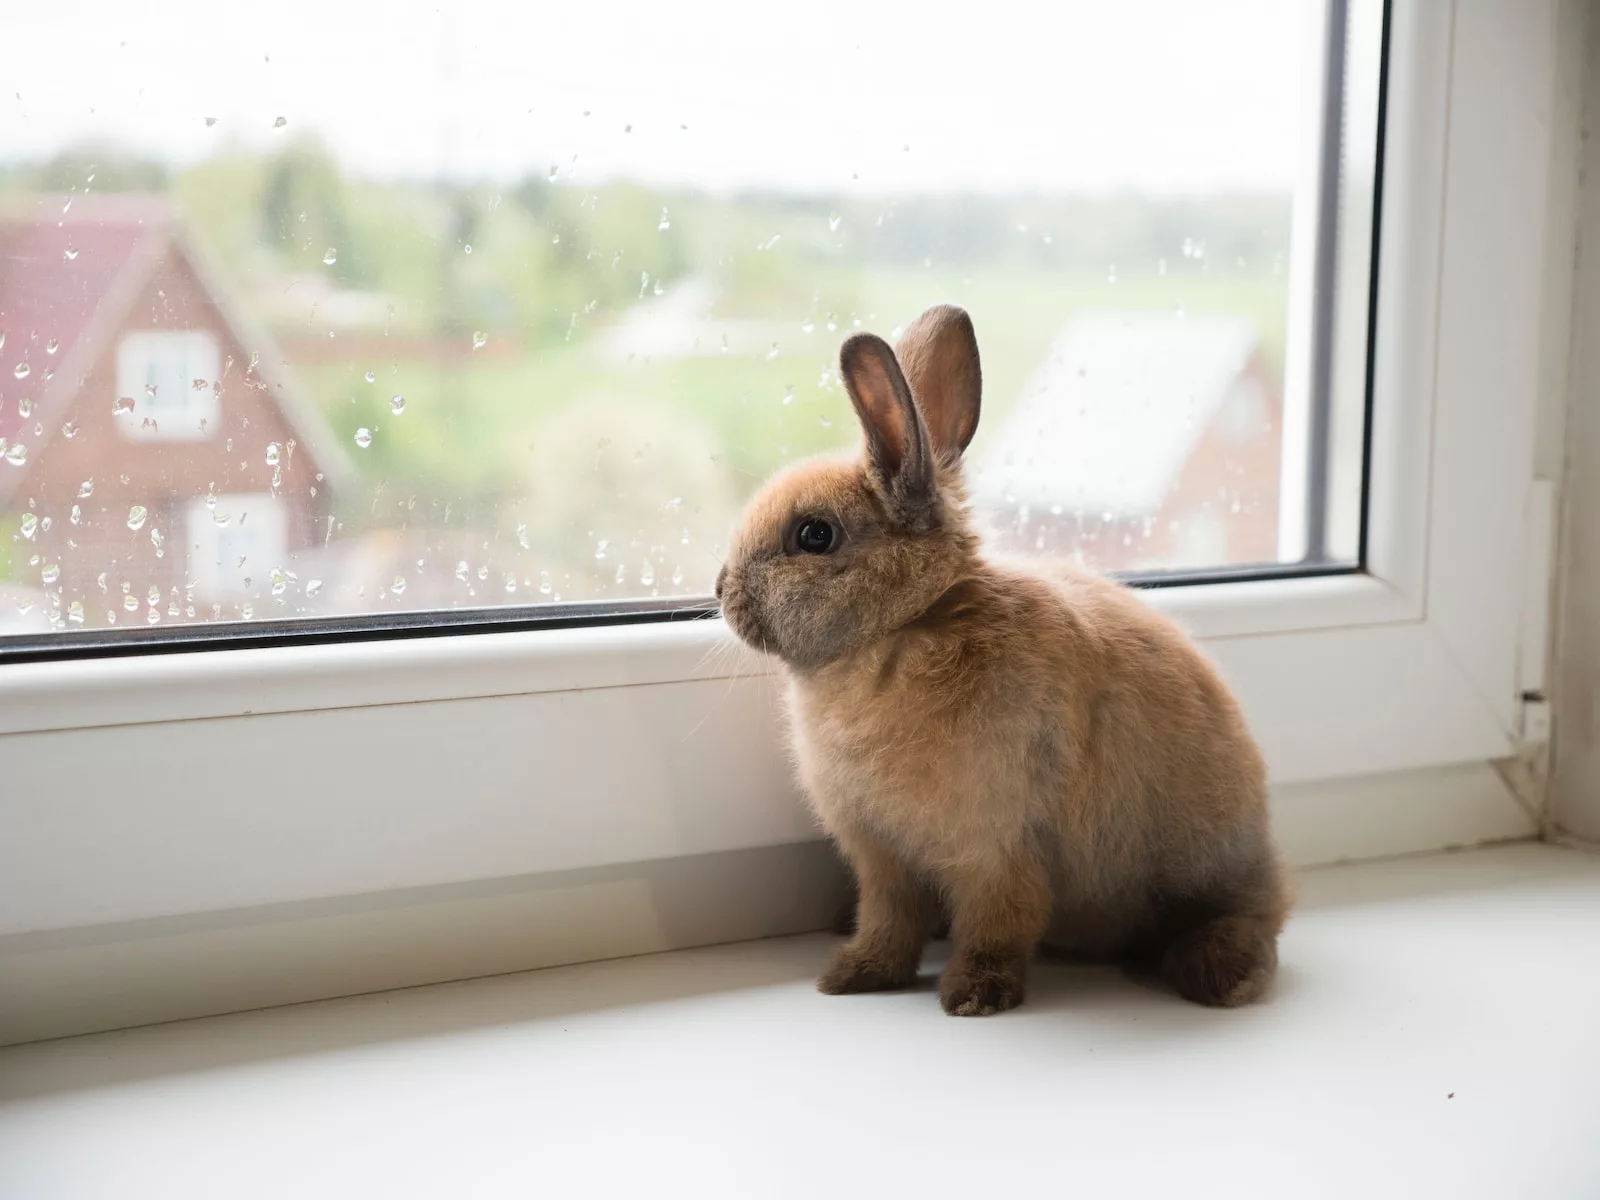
1053	95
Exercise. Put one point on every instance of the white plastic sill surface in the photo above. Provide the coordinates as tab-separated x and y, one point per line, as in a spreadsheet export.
1432	1034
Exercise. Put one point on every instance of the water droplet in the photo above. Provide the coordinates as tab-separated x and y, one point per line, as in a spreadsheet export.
483	572
50	573
544	583
313	586
511	582
772	353
154	595
677	576
788	395
832	323
363	437
372	377
22	370
137	515
122	405
210	121
522	537
770	242
280	122
30	525
330	256
75	612
665	223
200	385
86	489
25	407
399	584
70	253
153	616
647	576
274	452
397	405
221	519
279	583
833	222
600	550
69	430
158	540
131	603
17	455
554	171
468	248
52	346
1111	274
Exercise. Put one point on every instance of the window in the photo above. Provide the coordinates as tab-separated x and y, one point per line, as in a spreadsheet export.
168	385
472	694
235	540
518	337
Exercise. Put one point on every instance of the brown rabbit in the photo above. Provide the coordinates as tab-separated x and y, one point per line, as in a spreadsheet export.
1030	749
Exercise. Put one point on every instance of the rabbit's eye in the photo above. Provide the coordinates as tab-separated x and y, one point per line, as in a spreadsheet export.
814	536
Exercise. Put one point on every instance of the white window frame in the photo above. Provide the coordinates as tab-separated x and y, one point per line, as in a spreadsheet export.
194	416
165	784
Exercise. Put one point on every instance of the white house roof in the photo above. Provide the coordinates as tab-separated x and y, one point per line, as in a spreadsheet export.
1111	416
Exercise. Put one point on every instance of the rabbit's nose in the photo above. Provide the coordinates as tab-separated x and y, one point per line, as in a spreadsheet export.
722	577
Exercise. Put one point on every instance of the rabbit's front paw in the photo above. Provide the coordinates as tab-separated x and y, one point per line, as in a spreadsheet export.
981	984
857	968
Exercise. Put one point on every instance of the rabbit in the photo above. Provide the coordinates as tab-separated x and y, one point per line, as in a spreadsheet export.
1029	750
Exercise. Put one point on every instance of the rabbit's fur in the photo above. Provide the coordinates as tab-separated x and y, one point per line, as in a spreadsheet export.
1029	749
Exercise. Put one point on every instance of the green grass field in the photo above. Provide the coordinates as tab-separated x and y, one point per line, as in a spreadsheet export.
472	429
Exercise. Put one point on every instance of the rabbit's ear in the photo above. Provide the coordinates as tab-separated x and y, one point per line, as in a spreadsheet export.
940	355
897	441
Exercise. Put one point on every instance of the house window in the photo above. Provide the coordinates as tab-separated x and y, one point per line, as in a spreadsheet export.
173	379
235	543
564	387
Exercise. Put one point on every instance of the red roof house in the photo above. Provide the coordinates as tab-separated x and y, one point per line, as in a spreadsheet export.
157	460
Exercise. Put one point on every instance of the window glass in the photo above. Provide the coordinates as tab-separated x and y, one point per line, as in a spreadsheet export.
313	311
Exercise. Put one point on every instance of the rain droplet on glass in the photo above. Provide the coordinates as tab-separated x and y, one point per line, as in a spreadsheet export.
22	370
50	573
137	515
313	586
397	405
274	453
330	256
29	525
399	584
52	346
665	222
372	377
522	537
363	437
17	455
280	122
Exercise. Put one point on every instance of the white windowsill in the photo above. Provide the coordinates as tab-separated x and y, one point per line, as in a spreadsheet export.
1396	1058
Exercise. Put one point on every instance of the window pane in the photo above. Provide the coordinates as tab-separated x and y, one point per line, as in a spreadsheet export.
309	311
